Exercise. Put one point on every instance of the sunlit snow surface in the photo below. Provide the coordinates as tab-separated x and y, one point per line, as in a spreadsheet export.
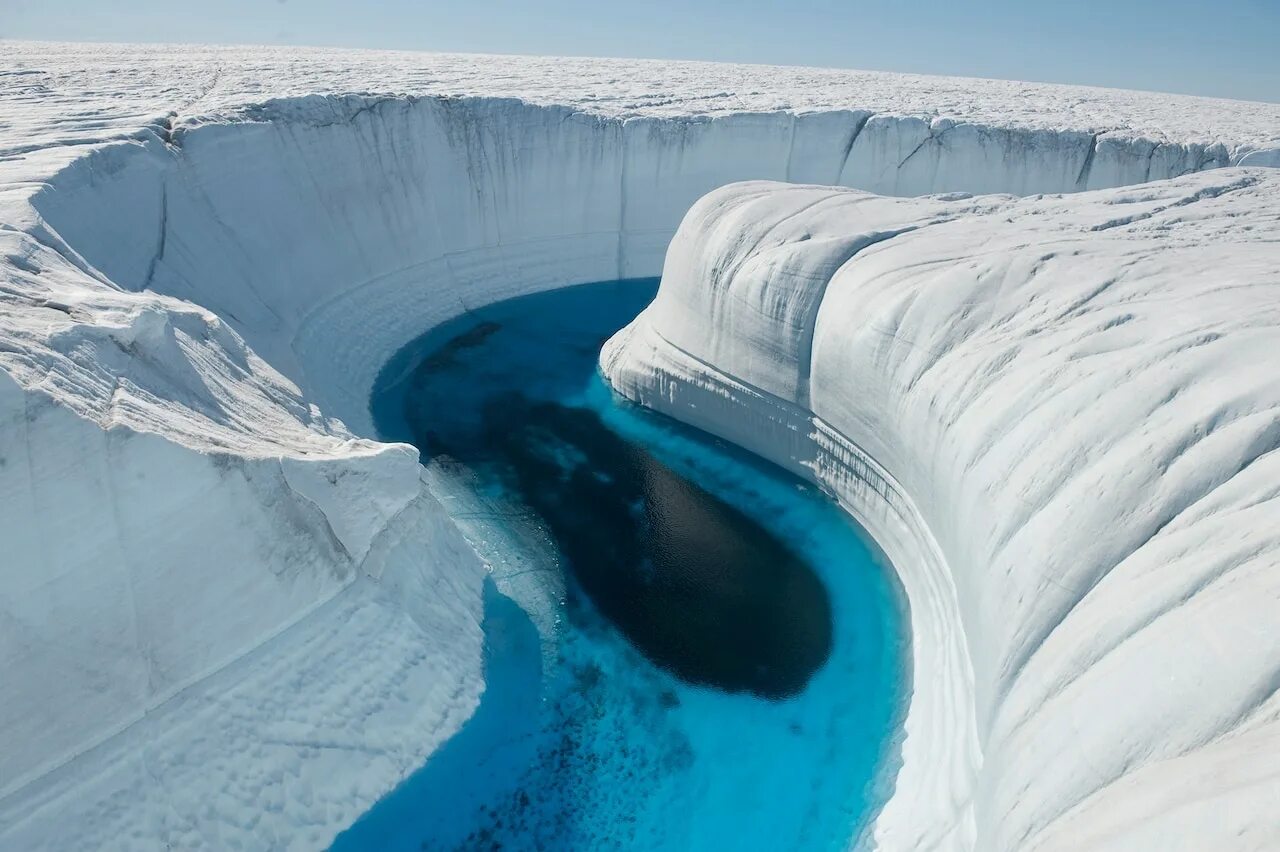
579	741
1072	399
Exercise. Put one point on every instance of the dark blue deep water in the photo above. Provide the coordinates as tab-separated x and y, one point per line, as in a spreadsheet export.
686	648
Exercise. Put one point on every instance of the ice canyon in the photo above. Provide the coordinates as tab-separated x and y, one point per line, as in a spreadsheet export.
1025	335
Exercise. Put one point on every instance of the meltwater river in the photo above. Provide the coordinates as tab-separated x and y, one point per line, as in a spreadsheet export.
686	648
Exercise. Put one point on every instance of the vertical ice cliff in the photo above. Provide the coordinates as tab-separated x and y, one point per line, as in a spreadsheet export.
1061	418
297	218
203	265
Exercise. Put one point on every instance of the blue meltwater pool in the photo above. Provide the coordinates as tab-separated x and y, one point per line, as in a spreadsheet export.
686	648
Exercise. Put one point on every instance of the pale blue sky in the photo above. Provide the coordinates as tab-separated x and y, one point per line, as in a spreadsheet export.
1194	46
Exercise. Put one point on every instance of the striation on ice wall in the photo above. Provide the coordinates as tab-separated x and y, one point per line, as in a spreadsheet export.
206	255
1061	418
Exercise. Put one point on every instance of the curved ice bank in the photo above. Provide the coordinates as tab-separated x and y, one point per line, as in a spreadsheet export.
1060	416
202	266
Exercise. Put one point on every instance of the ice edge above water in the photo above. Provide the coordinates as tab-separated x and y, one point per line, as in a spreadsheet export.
189	307
1060	424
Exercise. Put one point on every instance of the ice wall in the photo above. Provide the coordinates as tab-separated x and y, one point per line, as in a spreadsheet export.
1057	415
299	218
194	312
171	504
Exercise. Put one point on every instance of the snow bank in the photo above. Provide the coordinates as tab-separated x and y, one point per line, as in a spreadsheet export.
170	504
1060	416
203	266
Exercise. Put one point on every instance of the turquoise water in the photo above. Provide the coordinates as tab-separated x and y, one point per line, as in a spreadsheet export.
686	648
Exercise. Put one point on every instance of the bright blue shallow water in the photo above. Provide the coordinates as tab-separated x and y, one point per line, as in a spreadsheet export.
597	729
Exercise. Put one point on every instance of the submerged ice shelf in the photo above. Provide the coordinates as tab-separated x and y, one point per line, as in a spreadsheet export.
579	742
222	591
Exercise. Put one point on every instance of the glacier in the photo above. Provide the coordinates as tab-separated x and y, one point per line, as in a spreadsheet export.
232	617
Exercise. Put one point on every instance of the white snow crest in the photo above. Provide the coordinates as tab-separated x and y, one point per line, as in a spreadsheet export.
1061	418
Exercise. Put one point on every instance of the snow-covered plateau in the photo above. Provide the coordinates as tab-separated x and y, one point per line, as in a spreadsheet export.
231	618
